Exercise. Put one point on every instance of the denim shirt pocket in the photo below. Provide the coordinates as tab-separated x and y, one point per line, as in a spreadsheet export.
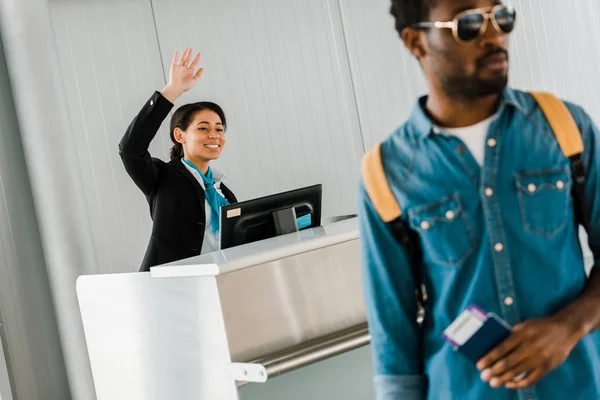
543	200
445	231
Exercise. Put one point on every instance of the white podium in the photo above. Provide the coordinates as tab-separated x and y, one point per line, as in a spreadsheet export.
198	328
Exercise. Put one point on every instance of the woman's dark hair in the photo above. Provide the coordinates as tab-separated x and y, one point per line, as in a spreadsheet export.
409	12
183	117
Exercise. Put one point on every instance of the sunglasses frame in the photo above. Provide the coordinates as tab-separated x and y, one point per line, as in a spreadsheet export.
489	14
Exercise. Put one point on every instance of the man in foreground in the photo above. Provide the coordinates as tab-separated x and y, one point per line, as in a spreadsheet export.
485	189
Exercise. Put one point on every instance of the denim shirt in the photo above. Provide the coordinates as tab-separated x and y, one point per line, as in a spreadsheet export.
501	236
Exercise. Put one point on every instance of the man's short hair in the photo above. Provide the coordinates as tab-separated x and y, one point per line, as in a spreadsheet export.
409	12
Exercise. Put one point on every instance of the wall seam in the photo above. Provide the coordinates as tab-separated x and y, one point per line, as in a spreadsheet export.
160	53
351	71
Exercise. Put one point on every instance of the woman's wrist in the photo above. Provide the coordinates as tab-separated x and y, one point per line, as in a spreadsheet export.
171	93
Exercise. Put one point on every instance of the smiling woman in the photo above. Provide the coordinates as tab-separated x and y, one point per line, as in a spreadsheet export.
186	194
201	127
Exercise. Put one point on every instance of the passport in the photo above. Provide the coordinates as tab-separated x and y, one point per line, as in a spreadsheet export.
475	333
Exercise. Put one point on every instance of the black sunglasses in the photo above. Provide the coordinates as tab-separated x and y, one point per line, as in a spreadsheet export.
469	25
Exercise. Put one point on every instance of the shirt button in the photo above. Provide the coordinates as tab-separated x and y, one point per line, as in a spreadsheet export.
425	225
492	142
489	192
509	301
531	188
499	247
151	102
450	215
560	185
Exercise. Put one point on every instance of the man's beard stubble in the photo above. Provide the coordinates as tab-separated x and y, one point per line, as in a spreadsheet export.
473	87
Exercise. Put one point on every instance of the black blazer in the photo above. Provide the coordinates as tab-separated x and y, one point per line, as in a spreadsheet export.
175	197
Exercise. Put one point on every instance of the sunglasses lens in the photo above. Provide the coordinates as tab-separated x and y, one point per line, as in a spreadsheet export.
505	18
469	26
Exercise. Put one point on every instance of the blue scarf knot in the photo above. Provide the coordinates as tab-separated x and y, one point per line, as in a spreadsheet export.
214	199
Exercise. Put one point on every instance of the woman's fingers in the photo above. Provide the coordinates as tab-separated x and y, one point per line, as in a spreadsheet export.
196	61
198	74
183	57
188	56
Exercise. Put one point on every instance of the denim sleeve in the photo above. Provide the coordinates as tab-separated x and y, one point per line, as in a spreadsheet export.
591	157
399	387
591	141
390	300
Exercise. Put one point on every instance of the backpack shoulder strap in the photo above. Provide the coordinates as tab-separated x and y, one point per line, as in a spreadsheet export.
562	123
377	186
569	138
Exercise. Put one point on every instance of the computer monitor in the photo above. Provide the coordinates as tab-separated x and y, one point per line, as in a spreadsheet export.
270	216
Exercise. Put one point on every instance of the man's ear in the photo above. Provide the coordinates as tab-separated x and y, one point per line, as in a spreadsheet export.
414	41
179	136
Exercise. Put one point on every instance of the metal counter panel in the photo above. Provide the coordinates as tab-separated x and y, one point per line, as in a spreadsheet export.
284	303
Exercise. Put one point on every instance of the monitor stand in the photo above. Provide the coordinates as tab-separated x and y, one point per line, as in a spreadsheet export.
285	221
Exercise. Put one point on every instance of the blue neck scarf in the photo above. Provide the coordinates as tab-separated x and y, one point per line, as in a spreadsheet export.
214	199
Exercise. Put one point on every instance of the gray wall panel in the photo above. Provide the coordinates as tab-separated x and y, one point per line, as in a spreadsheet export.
554	49
387	80
110	64
28	329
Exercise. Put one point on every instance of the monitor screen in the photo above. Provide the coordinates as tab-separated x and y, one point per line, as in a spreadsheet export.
270	216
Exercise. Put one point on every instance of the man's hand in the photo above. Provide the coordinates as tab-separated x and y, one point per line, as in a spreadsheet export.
534	349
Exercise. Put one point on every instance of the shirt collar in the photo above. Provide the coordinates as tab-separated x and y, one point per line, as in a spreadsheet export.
423	127
218	176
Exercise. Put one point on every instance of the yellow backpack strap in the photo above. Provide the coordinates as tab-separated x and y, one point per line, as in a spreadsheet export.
562	123
377	186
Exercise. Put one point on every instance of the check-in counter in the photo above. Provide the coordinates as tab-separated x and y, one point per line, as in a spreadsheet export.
198	328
